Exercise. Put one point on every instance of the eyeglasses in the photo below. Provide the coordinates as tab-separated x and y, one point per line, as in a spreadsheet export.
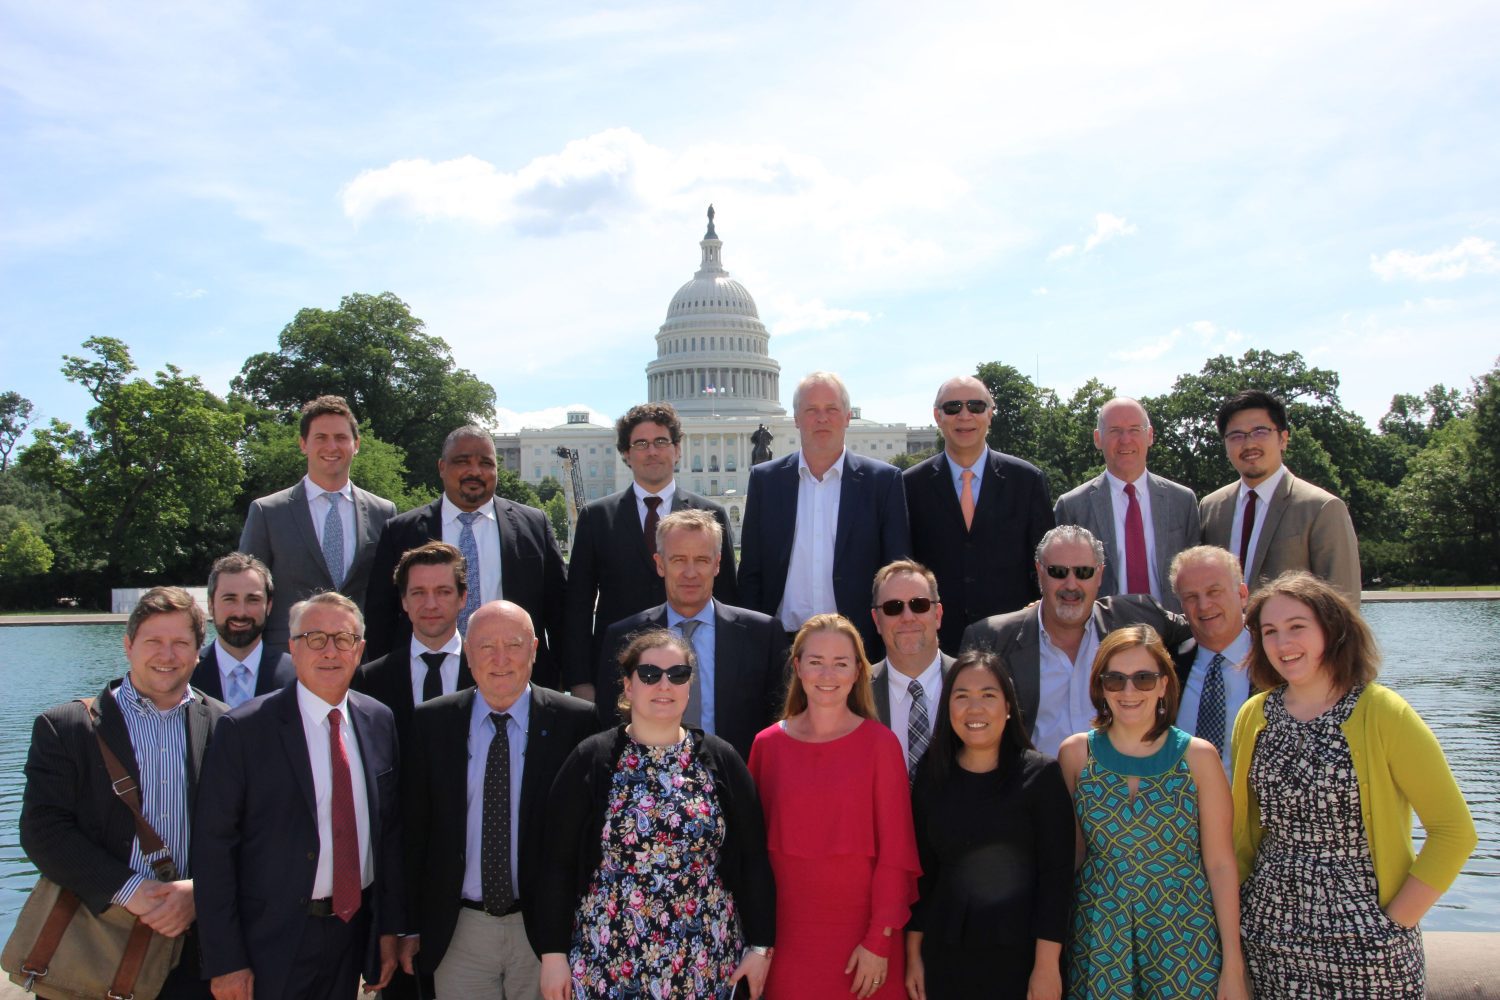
1061	572
1254	434
679	674
1142	680
918	605
952	406
318	639
641	444
1133	430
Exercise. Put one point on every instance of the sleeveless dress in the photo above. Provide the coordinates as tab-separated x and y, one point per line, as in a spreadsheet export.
1310	912
656	921
1143	919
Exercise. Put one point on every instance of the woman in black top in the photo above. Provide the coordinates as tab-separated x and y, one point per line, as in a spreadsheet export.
995	836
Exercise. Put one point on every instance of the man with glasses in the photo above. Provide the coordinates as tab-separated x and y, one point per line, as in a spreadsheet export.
1271	520
612	571
740	681
1050	650
976	513
907	683
1142	519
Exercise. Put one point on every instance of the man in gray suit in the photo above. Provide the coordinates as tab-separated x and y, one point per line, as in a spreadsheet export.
909	681
1142	519
1050	649
1271	520
319	534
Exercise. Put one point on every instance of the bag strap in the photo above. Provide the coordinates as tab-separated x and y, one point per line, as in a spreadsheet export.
39	958
129	792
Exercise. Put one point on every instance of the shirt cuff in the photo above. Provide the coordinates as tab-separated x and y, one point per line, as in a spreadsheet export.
121	897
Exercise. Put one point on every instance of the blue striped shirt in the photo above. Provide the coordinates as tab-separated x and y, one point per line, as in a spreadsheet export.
159	740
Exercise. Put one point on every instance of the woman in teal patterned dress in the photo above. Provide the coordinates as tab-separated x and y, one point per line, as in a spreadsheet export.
1156	900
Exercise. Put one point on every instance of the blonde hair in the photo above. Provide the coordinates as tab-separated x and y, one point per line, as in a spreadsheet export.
861	701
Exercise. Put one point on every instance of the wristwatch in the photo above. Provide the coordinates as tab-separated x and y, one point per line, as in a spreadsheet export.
761	950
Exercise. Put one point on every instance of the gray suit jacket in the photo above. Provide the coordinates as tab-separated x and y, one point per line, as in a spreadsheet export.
279	529
1174	527
882	692
1017	638
1306	528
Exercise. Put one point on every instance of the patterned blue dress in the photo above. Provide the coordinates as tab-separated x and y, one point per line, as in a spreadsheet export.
1143	918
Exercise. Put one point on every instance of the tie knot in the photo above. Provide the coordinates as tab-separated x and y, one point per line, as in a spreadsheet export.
498	720
651	502
335	717
468	516
332	496
1130	490
434	661
915	690
967	475
688	626
1217	662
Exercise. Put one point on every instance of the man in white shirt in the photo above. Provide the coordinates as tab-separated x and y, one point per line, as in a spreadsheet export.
236	666
908	682
1216	681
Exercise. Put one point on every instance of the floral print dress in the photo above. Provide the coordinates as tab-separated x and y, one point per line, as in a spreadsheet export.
656	921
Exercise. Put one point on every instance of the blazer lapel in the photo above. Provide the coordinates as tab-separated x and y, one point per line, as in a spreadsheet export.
198	727
465	677
364	534
510	569
539	743
432	521
880	690
112	729
1101	502
628	521
991	490
1161	530
294	743
1027	673
782	507
1274	513
302	518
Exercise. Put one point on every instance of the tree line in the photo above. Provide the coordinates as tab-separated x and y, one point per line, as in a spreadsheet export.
155	484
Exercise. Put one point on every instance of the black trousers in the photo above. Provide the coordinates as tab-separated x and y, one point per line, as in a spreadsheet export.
330	958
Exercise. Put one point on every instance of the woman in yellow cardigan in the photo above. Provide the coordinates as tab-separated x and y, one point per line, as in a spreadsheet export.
1328	766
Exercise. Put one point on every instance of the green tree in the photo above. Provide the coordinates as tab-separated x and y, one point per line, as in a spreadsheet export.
273	461
557	512
512	487
23	553
15	418
548	488
372	351
155	474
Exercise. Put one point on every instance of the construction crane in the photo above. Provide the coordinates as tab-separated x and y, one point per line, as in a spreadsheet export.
573	483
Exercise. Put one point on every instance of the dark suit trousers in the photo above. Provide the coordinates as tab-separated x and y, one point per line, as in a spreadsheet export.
184	982
330	958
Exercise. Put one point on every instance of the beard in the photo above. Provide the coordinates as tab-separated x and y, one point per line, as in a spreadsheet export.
243	635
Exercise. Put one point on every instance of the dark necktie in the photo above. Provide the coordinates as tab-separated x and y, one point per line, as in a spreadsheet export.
1247	528
918	728
494	841
1137	572
693	716
432	684
1211	705
346	867
652	519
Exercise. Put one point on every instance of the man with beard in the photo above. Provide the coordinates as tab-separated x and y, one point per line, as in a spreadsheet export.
1050	650
237	666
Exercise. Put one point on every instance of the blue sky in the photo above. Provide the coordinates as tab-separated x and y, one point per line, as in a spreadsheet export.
1079	190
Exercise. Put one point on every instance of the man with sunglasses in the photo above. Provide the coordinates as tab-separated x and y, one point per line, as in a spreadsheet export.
1272	521
907	683
1050	649
976	513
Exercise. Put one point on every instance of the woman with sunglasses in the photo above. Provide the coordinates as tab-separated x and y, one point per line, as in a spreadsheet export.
655	881
838	823
1156	903
993	820
1328	766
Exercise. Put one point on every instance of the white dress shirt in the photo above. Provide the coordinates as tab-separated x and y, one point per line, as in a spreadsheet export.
667	492
1236	687
1263	494
228	662
809	577
1119	504
1064	707
448	671
317	506
486	541
314	712
899	689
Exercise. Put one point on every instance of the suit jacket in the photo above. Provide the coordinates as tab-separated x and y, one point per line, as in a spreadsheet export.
387	679
435	805
1174	527
255	837
988	568
276	671
872	531
882	691
1305	528
74	828
750	670
610	561
532	574
1017	637
279	530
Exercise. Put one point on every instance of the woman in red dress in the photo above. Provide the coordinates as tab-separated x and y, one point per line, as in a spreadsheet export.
834	788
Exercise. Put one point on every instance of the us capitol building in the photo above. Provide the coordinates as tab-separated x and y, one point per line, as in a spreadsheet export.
713	364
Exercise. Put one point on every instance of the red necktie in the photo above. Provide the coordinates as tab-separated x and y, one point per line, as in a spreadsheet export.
652	520
1247	528
346	867
1137	572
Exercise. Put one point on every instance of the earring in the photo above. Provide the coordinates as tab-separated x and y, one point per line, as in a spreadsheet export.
1161	707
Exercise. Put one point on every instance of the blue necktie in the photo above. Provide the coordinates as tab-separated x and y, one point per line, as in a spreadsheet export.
693	716
239	686
918	728
333	540
1211	705
470	550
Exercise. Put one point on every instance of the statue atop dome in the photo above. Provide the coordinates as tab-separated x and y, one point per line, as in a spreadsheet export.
710	235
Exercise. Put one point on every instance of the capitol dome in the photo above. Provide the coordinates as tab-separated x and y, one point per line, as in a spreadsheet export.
713	352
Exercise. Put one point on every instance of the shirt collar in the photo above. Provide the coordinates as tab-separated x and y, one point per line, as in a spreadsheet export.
315	709
1117	485
1041	624
666	494
1267	489
705	615
450	510
313	490
126	694
520	711
836	469
227	658
454	646
977	467
1237	652
901	684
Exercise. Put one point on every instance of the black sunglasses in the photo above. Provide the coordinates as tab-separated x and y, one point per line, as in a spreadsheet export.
1143	680
679	674
918	605
1061	572
952	406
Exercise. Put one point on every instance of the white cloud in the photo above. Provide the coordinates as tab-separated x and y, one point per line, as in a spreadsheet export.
793	316
1150	351
1204	331
191	293
1470	255
1039	291
1106	227
1066	250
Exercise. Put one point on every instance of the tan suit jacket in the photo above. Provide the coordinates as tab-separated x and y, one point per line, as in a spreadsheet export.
1306	528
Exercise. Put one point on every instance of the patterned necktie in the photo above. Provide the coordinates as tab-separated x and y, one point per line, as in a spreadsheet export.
432	683
966	498
333	539
1211	705
346	867
494	841
653	518
1137	572
694	714
240	690
1247	528
918	728
470	549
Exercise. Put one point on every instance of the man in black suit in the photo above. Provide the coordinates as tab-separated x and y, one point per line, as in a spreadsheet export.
908	683
433	583
614	543
77	831
740	681
237	666
508	548
296	845
820	521
976	514
469	889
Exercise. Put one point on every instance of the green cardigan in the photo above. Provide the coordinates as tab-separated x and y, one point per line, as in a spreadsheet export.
1399	766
